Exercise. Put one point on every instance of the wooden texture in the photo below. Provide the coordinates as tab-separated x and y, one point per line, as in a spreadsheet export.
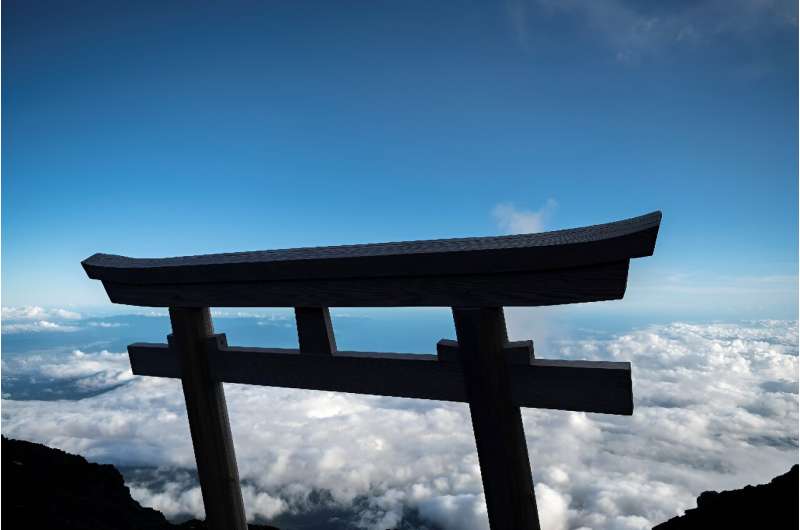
581	284
314	330
496	419
605	243
589	386
208	421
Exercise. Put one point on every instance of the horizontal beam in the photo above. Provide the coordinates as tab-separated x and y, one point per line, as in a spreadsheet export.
587	386
562	286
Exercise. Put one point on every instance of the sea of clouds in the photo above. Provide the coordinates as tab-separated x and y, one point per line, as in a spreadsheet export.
716	407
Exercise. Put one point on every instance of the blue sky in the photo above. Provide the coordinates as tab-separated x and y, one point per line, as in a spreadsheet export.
170	128
157	129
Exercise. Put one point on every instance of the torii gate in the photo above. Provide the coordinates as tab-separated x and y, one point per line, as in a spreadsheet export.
474	276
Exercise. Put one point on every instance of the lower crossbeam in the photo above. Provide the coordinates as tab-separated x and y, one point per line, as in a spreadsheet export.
587	386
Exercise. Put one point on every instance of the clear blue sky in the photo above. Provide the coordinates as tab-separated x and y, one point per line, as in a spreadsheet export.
170	128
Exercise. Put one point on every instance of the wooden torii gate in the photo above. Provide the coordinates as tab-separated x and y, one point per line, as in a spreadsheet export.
477	277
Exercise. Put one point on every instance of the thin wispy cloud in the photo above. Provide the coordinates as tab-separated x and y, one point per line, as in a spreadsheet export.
715	408
513	220
107	324
634	29
701	292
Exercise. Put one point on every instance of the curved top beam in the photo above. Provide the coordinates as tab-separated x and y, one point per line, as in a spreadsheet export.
560	249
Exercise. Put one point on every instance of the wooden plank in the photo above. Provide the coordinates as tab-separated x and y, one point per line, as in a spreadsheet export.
385	374
208	420
588	386
590	245
496	419
581	284
584	386
154	359
314	330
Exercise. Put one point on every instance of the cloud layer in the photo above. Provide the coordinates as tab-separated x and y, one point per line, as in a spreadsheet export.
716	408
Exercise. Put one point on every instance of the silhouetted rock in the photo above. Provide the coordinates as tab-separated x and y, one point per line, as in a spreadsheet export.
49	489
773	506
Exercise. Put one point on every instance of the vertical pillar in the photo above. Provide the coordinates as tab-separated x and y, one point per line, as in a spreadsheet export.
496	421
314	330
208	421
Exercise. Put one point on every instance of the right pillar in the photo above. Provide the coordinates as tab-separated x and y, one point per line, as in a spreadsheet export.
496	421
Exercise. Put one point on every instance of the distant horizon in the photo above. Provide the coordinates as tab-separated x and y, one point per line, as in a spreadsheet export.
652	289
599	315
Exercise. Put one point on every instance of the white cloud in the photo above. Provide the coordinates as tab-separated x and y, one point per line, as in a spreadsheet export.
102	324
552	507
716	408
513	221
285	323
87	371
269	314
38	326
95	370
36	319
156	313
38	313
467	511
65	314
175	498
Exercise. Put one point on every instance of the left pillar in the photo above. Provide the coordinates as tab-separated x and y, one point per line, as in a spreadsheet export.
208	420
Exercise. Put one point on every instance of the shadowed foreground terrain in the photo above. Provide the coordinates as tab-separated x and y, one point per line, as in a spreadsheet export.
772	505
50	489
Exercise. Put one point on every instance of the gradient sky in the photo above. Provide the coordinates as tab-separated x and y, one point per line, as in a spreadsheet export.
170	128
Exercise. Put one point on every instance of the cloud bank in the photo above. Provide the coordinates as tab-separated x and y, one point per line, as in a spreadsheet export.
716	408
38	313
35	319
37	326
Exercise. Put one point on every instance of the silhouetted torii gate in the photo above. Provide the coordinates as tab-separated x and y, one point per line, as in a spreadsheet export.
474	276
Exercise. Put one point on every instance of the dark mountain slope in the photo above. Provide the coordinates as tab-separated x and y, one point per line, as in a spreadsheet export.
773	506
53	490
